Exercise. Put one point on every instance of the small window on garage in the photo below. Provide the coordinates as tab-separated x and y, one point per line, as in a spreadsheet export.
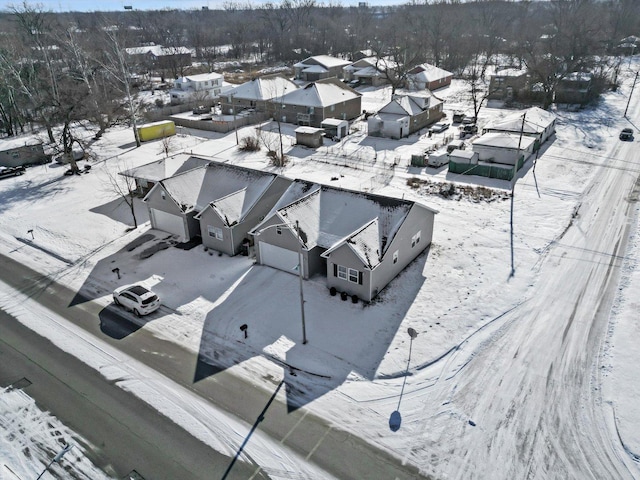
163	194
279	230
395	256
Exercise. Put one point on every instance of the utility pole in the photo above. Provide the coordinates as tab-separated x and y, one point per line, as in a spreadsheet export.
629	101
513	190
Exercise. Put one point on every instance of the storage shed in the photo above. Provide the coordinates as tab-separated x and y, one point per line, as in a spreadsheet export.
309	136
335	128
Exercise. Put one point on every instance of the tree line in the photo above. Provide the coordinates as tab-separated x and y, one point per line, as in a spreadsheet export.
57	69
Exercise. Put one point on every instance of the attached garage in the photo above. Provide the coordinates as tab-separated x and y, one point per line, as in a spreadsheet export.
278	257
168	222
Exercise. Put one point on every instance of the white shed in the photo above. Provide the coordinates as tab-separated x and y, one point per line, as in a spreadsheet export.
505	148
335	128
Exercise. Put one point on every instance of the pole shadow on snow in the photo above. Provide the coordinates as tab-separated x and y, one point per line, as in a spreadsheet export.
260	418
395	420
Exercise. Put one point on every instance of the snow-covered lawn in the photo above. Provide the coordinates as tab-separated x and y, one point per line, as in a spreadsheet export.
360	365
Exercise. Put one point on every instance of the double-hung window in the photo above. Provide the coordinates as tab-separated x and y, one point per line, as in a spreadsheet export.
215	232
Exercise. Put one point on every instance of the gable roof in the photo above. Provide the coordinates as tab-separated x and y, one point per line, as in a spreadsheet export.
263	88
231	189
11	143
536	120
329	217
326	61
165	168
322	93
428	73
201	77
158	50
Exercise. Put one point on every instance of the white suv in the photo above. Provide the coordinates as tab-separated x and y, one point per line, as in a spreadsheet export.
140	300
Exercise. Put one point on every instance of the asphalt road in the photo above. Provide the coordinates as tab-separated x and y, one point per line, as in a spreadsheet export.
129	434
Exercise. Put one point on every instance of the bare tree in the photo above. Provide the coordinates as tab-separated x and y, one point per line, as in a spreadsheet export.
124	186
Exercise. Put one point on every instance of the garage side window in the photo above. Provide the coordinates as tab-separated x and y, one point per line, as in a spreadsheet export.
215	232
415	239
350	274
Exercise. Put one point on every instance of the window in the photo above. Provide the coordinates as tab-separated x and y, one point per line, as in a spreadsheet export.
332	108
215	232
163	194
15	154
415	239
279	230
395	256
353	275
345	273
342	272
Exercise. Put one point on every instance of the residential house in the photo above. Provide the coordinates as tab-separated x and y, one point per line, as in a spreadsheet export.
256	94
359	241
428	77
158	57
218	201
508	84
405	114
316	68
317	101
575	88
194	88
533	122
24	150
147	175
369	71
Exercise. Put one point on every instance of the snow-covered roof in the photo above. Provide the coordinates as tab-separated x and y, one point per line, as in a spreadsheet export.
201	77
263	88
579	77
504	140
510	72
368	72
326	61
158	50
231	189
404	105
428	73
165	168
536	120
308	130
329	217
321	94
315	69
17	142
333	122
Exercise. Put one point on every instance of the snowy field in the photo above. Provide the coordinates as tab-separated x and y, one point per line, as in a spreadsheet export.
364	373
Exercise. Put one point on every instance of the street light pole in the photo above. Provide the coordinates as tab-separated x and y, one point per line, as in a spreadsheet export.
57	458
629	101
300	275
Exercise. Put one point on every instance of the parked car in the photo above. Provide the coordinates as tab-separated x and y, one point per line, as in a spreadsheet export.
439	127
11	171
626	134
469	120
455	145
201	109
470	129
136	298
457	117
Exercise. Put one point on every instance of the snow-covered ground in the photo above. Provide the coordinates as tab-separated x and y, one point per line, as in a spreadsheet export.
366	374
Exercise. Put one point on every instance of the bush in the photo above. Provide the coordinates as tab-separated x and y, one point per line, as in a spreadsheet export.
249	144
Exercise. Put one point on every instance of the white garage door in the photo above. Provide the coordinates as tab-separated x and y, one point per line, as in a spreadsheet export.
168	222
278	257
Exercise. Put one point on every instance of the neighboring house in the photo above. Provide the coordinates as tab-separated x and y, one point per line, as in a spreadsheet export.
157	56
219	202
575	88
19	151
504	148
193	88
428	77
369	71
359	241
317	101
257	94
508	84
321	66
404	114
146	176
533	122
